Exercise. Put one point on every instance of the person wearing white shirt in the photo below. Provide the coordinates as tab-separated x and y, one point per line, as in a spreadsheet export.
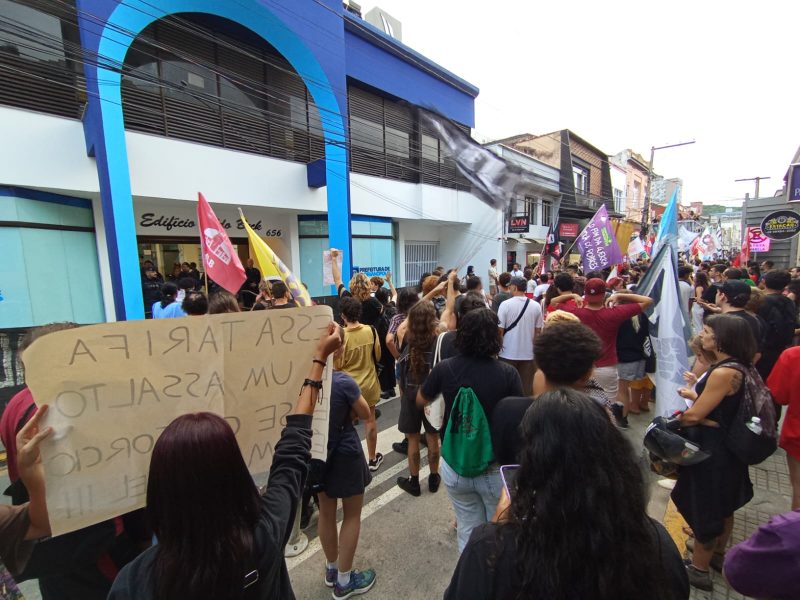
520	321
516	271
544	284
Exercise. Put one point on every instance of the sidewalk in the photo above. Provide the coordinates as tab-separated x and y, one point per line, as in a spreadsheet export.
772	494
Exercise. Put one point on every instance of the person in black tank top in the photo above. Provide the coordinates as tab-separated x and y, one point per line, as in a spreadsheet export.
708	493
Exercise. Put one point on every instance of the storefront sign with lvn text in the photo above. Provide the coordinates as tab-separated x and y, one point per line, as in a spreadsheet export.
113	388
519	224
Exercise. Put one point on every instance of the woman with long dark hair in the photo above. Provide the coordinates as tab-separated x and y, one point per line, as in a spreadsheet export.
416	364
577	525
708	493
217	537
476	367
168	307
700	286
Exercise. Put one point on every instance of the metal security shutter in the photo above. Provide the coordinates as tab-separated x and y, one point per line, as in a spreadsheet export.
420	257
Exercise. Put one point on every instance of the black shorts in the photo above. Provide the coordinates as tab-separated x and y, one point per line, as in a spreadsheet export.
412	418
346	475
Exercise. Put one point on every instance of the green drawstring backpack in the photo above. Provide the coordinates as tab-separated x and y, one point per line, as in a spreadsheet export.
467	445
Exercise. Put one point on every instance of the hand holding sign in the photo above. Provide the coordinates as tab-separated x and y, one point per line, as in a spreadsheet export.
114	387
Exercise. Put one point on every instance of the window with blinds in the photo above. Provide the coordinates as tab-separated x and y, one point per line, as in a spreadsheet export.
210	81
40	67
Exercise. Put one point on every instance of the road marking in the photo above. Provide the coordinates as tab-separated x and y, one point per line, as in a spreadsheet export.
385	440
368	510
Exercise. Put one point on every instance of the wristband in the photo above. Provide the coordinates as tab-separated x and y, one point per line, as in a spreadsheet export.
319	362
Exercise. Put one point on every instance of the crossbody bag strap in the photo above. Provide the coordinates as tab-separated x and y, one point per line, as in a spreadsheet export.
374	339
519	317
437	355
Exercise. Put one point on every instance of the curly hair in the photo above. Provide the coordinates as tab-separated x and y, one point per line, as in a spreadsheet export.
377	281
360	287
422	329
350	309
565	351
575	534
478	334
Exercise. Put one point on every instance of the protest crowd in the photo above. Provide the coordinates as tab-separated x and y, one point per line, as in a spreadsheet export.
519	384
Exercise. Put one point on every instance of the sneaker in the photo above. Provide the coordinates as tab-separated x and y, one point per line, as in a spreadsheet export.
360	583
434	479
387	395
409	485
697	578
401	447
377	413
622	423
374	465
331	576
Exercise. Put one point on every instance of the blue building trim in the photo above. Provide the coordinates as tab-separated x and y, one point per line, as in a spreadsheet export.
322	69
380	39
28	194
384	69
360	218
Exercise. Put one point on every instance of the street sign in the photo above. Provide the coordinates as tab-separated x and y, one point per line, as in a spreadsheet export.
758	241
518	224
781	225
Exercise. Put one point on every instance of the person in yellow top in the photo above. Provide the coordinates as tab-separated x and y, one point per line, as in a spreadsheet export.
360	353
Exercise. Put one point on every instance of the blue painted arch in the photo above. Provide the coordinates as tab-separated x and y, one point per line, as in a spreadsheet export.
322	70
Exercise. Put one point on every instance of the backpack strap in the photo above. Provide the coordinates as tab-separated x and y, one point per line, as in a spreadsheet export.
437	355
519	317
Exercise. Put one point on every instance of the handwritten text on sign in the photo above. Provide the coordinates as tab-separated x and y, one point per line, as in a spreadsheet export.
113	388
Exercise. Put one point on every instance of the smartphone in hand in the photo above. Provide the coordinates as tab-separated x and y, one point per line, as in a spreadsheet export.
508	473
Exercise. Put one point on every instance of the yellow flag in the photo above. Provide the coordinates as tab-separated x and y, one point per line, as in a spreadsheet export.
271	266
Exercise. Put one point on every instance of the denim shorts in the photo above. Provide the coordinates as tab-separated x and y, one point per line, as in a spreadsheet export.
631	371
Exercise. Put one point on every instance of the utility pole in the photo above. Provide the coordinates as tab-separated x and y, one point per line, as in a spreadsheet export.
646	209
758	183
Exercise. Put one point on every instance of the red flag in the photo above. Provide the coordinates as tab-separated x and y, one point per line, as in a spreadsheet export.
220	260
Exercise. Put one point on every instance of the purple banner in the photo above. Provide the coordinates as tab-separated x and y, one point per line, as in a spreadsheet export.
598	244
794	184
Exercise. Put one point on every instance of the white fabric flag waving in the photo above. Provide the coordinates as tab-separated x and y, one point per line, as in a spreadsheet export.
668	326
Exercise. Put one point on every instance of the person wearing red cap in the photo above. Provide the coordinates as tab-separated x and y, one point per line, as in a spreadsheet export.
604	318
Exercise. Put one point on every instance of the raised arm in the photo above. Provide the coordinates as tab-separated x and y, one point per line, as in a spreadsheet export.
448	318
435	291
293	451
392	289
31	472
566	298
335	270
643	301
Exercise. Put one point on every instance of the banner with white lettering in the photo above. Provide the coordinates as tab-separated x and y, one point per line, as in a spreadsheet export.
113	388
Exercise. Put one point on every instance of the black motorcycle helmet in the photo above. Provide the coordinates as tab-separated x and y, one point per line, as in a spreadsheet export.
664	441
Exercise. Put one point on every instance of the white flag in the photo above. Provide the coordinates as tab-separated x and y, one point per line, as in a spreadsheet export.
668	330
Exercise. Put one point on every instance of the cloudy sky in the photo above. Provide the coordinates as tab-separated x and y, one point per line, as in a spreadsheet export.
631	74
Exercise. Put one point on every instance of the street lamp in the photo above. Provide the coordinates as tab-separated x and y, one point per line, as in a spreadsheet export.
646	208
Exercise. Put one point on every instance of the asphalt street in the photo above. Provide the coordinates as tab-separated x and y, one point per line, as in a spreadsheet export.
410	542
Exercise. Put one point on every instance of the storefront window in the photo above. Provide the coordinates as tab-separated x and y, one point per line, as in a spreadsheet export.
49	270
373	249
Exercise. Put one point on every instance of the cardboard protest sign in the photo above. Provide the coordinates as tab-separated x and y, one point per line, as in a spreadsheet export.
113	388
